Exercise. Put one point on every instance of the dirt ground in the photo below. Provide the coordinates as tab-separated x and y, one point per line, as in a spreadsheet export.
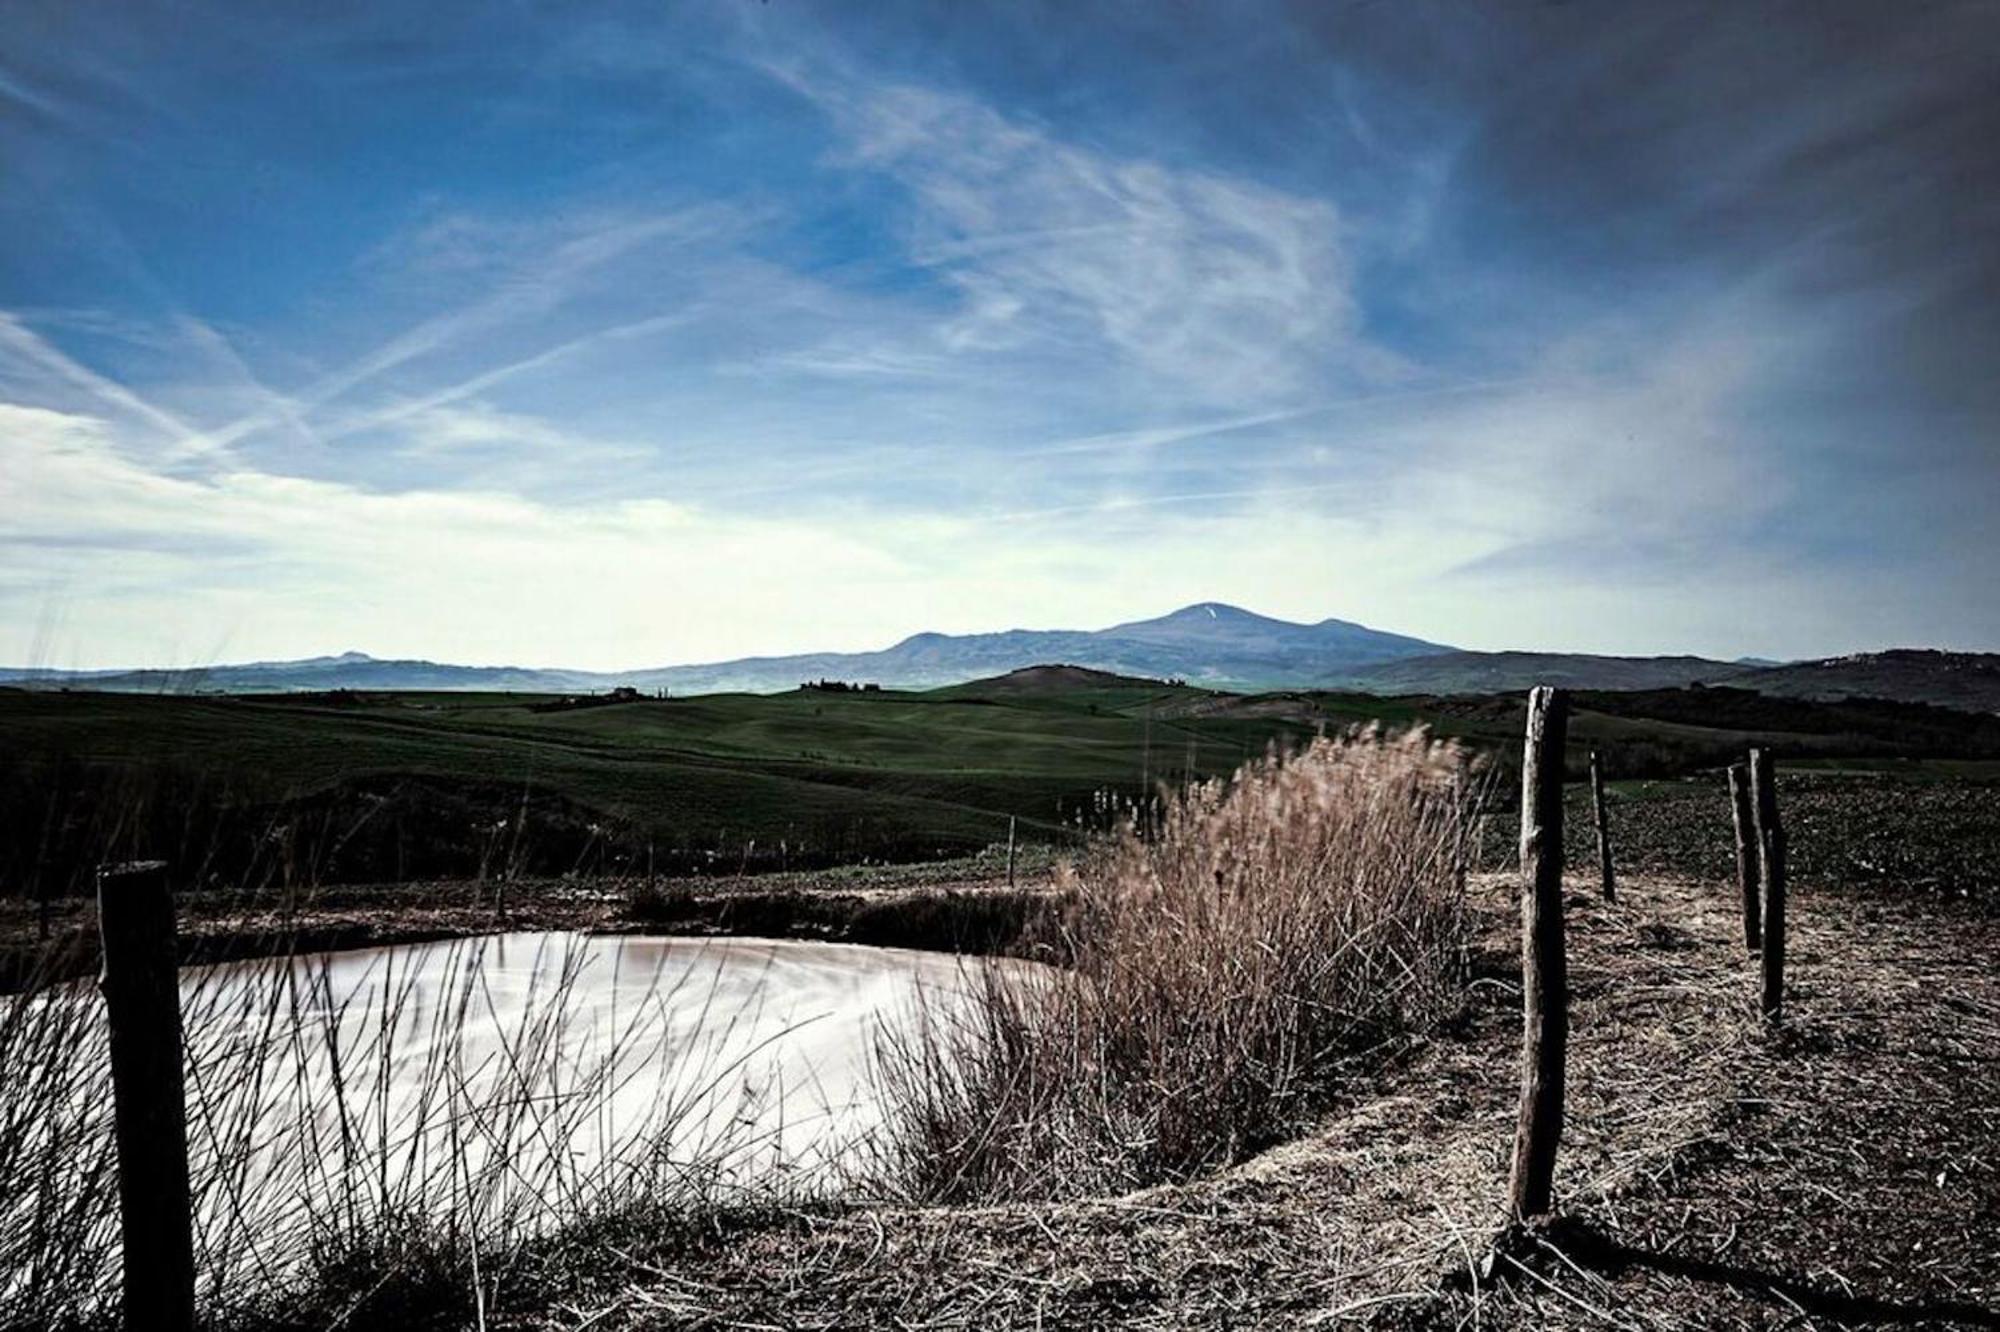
1843	1169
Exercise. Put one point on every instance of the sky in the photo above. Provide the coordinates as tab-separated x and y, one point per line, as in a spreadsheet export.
609	336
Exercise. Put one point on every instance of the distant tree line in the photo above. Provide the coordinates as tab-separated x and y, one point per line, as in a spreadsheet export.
621	694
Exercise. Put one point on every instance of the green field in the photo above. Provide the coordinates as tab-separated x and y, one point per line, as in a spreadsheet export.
795	777
407	785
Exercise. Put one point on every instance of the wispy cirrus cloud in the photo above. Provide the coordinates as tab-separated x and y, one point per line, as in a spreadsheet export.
427	404
538	284
1218	288
29	356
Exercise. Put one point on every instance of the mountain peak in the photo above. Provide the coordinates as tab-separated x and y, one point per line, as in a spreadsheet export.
1213	610
1202	615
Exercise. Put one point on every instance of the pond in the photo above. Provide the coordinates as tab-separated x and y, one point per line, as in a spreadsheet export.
502	1084
731	1056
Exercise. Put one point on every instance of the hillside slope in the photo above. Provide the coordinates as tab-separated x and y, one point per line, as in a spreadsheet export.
1969	681
393	786
1491	672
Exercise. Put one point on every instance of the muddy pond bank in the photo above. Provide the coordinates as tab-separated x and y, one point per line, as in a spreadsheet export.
914	907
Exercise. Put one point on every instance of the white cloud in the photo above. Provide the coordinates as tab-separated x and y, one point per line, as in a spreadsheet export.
145	561
143	565
140	568
1221	289
1492	515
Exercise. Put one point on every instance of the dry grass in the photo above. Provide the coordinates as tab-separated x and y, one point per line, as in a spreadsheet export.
389	1144
1722	1177
1219	970
1842	1172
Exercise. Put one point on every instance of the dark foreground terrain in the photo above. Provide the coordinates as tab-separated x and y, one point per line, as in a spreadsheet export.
1843	1170
1840	1170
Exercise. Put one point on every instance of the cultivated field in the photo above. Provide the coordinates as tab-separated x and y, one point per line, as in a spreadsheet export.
322	789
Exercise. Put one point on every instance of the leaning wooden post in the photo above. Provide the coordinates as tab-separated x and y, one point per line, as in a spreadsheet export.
1771	861
1603	828
1748	862
1010	850
142	1010
1544	968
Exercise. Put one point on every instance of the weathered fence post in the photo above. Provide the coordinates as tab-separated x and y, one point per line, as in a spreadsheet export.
142	1009
1748	862
1603	828
1544	968
1010	850
1771	861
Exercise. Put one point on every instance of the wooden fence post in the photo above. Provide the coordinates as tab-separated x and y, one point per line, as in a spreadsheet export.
1010	850
1603	828
142	1008
1748	862
1544	968
1771	861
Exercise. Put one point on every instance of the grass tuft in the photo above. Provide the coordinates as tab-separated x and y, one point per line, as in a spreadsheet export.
385	1143
1222	969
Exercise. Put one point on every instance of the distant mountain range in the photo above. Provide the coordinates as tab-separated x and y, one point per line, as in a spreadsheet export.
1209	644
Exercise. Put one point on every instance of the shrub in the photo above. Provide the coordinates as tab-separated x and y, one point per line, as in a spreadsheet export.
1222	969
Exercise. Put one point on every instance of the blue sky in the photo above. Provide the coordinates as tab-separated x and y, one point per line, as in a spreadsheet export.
611	336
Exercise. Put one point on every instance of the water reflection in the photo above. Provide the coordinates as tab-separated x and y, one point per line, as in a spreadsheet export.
730	1057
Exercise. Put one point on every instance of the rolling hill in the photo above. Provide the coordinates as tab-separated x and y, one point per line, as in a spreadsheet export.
349	670
1211	644
361	787
1968	681
1490	672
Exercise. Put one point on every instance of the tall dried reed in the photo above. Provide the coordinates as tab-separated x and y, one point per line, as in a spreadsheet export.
1224	963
